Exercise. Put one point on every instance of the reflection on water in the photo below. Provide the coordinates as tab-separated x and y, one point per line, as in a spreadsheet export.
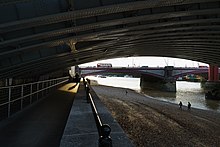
186	92
132	83
168	96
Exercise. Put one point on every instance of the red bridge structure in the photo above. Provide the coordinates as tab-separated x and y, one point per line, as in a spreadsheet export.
162	78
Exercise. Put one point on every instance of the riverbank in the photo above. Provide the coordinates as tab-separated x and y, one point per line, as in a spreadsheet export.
149	122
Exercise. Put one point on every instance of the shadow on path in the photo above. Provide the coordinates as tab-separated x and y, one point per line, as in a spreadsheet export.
41	125
72	87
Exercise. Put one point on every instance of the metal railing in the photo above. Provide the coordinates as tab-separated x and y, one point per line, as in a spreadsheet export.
15	98
104	130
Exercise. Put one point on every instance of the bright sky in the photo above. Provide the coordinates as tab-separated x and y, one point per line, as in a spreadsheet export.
148	61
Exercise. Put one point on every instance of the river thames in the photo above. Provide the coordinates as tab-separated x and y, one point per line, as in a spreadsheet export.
186	92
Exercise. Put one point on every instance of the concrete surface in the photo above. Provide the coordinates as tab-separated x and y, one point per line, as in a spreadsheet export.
42	124
81	130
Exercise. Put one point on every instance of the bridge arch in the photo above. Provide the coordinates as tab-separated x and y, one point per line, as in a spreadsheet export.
41	37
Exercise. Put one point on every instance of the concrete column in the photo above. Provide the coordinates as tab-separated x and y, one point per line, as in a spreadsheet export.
169	83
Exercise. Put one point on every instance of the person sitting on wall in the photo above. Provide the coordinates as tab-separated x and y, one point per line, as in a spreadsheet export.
77	78
70	78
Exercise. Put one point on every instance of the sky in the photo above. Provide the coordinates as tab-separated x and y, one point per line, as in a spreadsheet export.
147	61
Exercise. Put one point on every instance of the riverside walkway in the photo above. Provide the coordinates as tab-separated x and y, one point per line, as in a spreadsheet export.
40	125
64	119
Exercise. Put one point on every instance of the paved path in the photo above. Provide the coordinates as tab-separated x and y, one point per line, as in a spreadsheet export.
41	125
81	129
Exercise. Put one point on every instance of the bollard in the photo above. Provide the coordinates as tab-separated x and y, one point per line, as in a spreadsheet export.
87	93
84	82
105	139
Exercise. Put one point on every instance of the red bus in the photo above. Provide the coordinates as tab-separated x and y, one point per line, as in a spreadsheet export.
104	65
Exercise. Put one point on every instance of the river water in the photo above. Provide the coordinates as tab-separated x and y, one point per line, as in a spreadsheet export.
186	92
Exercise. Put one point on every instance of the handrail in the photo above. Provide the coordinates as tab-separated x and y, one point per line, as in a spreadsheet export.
33	82
96	115
17	95
32	92
104	130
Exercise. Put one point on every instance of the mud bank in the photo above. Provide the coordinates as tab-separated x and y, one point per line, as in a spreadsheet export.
150	122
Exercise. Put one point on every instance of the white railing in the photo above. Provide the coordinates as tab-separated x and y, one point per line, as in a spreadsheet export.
15	98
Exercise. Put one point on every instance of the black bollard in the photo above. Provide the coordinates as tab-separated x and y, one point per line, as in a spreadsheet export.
85	83
105	139
84	80
87	93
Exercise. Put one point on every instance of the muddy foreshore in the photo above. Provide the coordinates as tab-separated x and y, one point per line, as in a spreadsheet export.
150	122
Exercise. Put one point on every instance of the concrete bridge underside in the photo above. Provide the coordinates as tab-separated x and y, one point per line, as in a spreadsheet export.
39	37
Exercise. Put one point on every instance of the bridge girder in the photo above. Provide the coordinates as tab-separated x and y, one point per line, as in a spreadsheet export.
42	37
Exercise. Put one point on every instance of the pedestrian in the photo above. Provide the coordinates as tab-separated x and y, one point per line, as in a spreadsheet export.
126	92
189	105
180	104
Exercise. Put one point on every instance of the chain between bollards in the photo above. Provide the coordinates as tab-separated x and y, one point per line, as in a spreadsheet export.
104	130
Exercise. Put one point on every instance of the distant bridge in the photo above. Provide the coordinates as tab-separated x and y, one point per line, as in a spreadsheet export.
153	71
154	77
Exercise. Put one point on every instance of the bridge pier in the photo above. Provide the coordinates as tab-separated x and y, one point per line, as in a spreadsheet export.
166	83
213	73
213	78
